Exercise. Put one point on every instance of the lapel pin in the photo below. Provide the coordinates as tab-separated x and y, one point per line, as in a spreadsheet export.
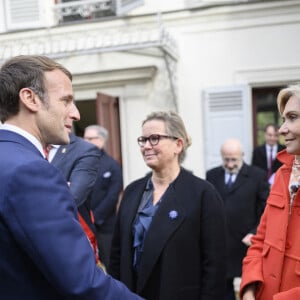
173	214
63	150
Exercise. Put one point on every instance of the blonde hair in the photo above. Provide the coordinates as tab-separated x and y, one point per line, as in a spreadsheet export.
174	127
285	94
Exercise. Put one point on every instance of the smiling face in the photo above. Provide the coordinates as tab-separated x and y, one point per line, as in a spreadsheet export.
56	115
290	128
165	153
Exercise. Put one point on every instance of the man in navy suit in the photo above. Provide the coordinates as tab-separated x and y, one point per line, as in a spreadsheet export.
244	190
79	163
106	191
44	251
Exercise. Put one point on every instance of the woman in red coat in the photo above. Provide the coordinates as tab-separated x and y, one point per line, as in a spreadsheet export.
271	269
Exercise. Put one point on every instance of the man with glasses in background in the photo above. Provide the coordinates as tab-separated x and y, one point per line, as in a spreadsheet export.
244	190
106	191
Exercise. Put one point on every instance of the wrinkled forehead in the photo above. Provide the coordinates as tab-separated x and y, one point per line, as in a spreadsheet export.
232	154
231	148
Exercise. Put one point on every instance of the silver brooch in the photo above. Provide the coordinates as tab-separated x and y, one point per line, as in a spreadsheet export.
173	214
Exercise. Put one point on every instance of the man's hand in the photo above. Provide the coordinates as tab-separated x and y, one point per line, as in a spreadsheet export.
249	293
247	239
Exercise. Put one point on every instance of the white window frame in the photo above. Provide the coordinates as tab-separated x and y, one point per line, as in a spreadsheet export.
34	23
227	114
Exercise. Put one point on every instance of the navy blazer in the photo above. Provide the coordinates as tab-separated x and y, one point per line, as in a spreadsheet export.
106	191
184	255
79	163
44	252
244	204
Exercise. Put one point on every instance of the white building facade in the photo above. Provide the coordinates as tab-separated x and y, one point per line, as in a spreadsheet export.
217	63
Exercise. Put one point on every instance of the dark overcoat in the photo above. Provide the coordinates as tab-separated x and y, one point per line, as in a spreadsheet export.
184	255
244	204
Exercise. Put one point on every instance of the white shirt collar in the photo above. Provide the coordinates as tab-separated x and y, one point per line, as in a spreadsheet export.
268	147
52	152
227	175
274	150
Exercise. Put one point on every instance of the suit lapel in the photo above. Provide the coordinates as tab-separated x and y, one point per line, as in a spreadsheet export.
59	155
7	135
220	180
240	179
263	151
61	151
171	214
263	154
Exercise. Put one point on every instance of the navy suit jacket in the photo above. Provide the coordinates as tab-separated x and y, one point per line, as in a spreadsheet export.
79	163
44	252
184	255
244	204
105	195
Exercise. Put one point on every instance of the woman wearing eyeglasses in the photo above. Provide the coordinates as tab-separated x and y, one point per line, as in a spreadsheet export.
169	237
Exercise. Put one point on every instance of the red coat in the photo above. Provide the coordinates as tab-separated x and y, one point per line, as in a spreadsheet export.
273	260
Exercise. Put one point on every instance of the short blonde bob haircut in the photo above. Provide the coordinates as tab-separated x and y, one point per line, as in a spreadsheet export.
174	126
285	94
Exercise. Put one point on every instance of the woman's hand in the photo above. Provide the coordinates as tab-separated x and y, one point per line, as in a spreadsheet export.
249	293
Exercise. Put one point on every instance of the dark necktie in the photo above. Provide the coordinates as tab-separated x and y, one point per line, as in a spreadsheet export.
229	181
270	162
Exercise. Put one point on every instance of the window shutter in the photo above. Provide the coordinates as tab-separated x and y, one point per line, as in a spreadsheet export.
227	114
2	17
120	7
22	14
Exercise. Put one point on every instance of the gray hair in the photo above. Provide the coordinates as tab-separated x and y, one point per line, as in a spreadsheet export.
101	131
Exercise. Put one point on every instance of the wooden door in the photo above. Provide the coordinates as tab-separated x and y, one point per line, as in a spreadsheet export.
108	116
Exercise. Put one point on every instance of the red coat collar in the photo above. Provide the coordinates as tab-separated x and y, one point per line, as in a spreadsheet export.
285	158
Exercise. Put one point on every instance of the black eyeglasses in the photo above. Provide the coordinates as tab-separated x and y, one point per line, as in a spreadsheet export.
153	139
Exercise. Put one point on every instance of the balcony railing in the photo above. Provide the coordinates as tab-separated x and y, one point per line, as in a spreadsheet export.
90	9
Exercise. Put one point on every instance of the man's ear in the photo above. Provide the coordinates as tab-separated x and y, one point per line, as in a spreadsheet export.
29	99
